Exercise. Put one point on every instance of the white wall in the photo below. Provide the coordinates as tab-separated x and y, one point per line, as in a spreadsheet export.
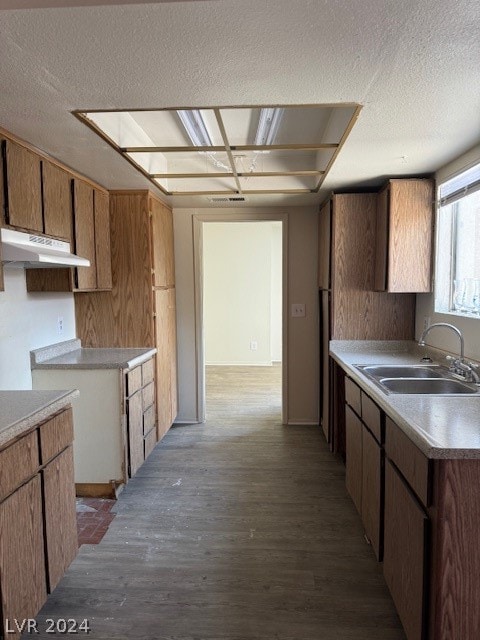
238	295
29	321
470	327
302	333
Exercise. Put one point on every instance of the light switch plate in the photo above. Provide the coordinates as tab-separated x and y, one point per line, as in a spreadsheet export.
298	310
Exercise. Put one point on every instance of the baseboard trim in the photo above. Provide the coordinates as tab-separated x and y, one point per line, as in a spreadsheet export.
238	364
300	423
193	421
98	489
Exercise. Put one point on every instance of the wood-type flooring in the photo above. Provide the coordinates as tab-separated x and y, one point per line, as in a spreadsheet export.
238	529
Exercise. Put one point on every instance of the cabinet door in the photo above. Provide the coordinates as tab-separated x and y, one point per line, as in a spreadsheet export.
166	375
57	201
381	243
60	516
353	457
324	246
404	559
135	432
22	558
324	300
102	241
372	491
23	186
162	244
84	234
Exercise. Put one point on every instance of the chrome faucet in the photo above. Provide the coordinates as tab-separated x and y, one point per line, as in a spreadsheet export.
466	370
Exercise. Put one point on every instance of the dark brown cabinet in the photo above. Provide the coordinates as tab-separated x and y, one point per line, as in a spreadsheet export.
364	460
404	231
350	308
404	559
38	532
57	201
102	241
22	187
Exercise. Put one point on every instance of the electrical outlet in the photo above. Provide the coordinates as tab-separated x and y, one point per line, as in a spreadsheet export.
60	325
298	310
253	345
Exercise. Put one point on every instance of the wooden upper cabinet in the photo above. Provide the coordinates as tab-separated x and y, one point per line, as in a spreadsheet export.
23	187
403	254
84	221
57	201
162	244
102	240
324	246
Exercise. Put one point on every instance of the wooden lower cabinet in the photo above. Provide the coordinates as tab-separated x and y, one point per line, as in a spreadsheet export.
165	336
22	559
135	433
405	556
60	532
354	458
372	499
38	532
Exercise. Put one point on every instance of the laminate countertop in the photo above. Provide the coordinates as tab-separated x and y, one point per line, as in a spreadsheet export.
441	426
20	411
71	355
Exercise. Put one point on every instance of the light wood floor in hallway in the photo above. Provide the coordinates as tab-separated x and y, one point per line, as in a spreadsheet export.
238	529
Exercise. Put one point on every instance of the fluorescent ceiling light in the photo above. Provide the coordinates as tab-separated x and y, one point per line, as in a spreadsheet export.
268	125
195	127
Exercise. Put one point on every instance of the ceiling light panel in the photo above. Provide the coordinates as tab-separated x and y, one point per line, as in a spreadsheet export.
208	162
277	148
209	184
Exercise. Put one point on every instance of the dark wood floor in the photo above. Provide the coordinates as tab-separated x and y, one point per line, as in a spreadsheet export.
239	529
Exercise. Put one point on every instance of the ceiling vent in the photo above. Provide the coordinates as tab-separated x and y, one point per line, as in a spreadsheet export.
223	199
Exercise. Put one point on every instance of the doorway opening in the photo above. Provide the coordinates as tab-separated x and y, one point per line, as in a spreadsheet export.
240	301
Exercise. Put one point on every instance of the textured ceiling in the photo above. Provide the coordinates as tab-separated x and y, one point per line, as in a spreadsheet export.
413	65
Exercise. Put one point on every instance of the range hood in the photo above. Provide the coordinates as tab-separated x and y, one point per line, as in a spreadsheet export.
25	250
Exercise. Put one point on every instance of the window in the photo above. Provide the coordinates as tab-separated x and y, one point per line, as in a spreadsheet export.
457	281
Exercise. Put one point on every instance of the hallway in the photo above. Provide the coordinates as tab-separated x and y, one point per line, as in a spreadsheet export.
239	529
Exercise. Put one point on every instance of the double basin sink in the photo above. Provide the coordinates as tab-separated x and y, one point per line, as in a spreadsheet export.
423	379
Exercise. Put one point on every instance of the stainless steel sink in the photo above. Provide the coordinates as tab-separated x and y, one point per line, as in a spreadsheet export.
439	386
404	371
423	379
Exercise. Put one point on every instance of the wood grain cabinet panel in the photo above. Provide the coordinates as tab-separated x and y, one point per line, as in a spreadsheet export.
404	236
165	325
135	432
22	559
354	457
372	491
56	434
353	396
84	218
12	474
102	240
404	559
60	516
57	201
23	206
134	380
162	245
324	246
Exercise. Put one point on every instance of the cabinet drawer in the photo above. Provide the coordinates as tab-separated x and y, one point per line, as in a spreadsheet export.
147	372
55	435
134	380
18	462
149	419
148	394
409	459
372	417
352	396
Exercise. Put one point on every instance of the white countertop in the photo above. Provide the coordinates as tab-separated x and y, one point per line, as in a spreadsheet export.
20	411
71	355
441	426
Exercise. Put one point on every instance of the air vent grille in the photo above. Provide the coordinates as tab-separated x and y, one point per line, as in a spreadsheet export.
227	199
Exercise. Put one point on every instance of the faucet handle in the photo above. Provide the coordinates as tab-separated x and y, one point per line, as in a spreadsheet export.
473	365
451	359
